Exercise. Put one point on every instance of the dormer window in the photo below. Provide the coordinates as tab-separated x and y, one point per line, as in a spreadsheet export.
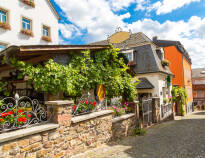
129	54
46	34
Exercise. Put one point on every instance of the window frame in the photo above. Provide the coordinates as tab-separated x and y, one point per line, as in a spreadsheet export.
31	23
7	14
48	28
129	52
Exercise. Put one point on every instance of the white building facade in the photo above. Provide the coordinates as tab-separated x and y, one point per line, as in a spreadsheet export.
28	22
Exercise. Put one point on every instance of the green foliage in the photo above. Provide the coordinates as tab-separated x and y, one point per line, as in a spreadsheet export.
165	100
139	131
165	62
83	72
179	95
3	88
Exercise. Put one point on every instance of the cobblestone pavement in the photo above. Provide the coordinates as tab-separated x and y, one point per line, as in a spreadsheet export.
182	138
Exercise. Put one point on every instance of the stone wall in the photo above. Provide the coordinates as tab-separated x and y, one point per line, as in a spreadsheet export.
123	126
65	136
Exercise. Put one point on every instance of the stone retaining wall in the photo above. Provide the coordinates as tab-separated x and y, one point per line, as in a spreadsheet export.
65	136
123	126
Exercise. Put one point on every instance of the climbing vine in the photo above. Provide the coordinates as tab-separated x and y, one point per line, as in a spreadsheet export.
179	95
84	71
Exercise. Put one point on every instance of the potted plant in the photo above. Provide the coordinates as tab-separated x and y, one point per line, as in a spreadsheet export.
165	62
165	100
27	32
5	26
46	38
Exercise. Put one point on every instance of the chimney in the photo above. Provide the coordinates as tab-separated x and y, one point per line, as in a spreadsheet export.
155	38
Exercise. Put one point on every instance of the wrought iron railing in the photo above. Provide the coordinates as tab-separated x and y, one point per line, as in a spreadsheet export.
22	112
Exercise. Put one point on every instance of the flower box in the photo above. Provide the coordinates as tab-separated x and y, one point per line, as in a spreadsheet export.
165	63
5	26
27	32
29	2
46	38
132	63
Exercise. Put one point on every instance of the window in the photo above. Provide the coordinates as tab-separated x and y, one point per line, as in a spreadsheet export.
46	31
2	47
26	24
3	16
129	54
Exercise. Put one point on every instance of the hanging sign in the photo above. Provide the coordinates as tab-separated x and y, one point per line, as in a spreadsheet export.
101	92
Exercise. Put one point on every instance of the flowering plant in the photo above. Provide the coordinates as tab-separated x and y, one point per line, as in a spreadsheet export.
5	26
11	116
29	2
46	38
27	32
84	106
121	109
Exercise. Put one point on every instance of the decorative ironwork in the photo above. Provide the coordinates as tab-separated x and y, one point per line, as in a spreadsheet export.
86	104
22	112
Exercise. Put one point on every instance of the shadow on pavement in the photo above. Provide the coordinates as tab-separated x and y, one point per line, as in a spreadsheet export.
174	139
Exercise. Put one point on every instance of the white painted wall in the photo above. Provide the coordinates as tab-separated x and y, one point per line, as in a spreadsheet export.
41	14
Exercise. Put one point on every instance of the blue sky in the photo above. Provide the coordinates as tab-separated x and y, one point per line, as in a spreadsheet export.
85	21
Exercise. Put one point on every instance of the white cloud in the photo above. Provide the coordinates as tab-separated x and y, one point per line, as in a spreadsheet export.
96	17
69	30
120	4
191	34
167	6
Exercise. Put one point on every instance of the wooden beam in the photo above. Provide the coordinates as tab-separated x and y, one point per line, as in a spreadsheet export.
32	60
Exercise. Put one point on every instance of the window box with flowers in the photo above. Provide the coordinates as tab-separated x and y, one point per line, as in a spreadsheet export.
46	38
29	2
5	26
121	109
83	107
27	32
165	62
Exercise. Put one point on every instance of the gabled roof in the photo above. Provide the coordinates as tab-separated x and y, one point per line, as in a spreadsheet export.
144	84
177	44
198	73
135	39
54	10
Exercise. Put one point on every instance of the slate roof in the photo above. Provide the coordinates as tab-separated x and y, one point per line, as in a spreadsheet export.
134	40
177	44
144	84
196	73
145	55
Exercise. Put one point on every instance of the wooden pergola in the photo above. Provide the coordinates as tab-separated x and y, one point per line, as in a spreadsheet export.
39	53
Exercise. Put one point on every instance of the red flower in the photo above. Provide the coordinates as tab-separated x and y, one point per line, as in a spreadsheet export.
89	102
29	115
94	103
4	114
74	106
20	110
86	102
22	114
23	119
1	119
79	106
10	113
19	119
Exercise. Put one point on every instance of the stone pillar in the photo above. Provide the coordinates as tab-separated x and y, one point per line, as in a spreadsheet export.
156	109
62	112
